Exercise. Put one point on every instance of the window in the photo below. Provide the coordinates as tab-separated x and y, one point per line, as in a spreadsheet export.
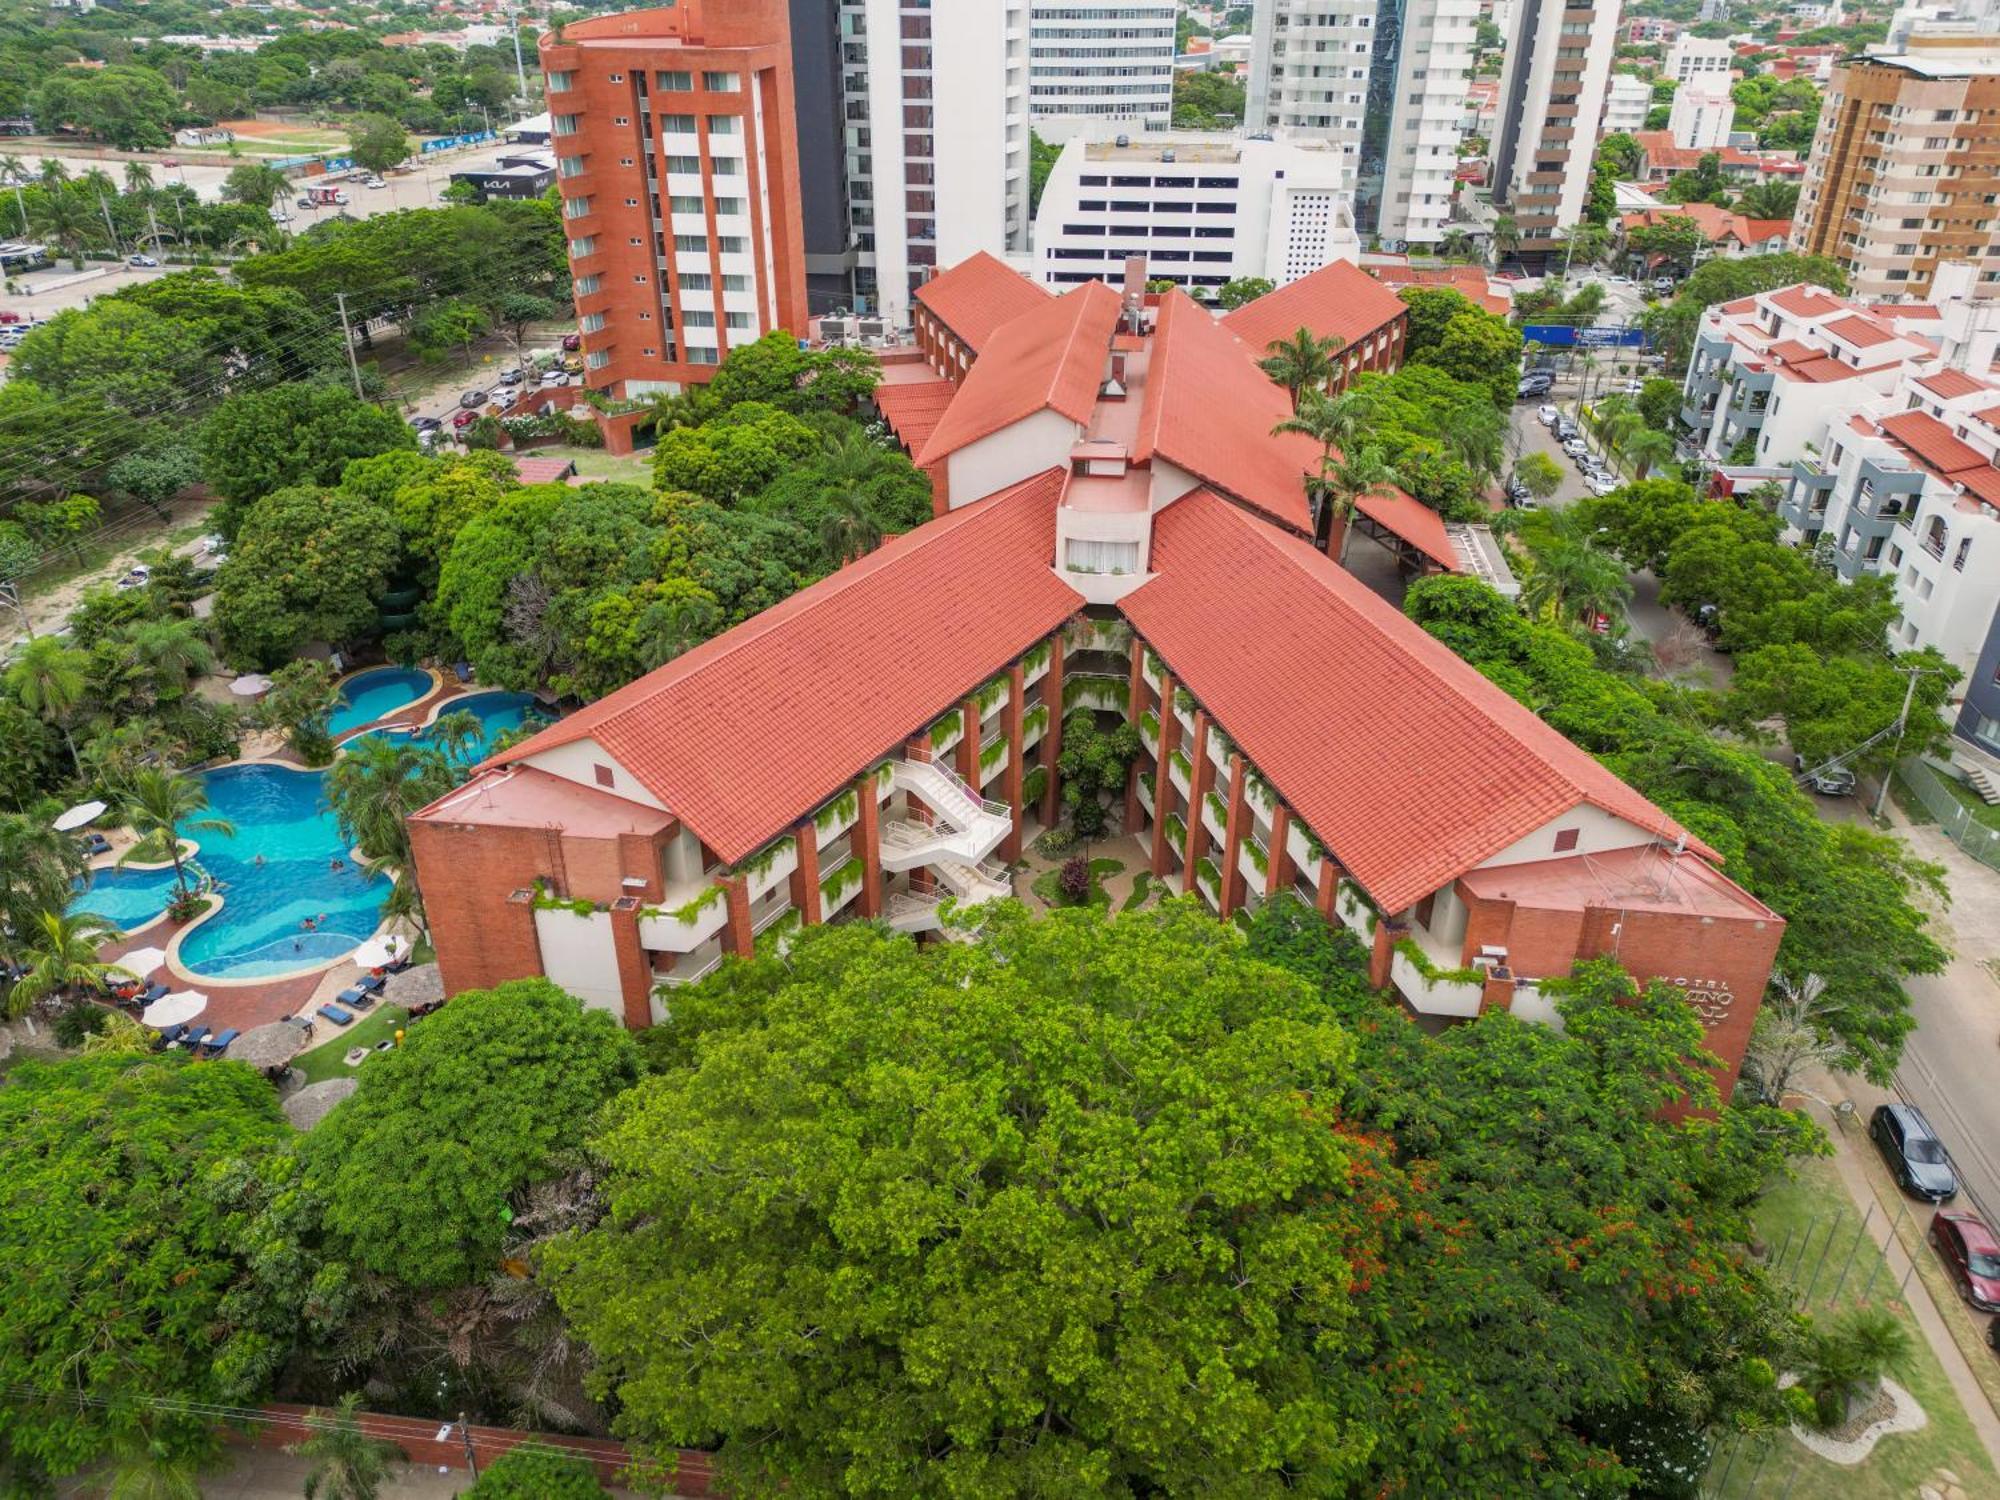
677	124
697	355
736	283
575	208
673	83
591	322
693	244
733	244
691	165
597	359
1565	840
604	775
722	83
583	246
731	206
586	286
694	281
736	320
1101	557
694	318
723	125
685	205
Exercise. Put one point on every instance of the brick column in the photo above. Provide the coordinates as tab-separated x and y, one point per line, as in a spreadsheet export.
1328	890
1387	935
805	876
918	747
1200	778
968	742
736	935
1010	779
1497	993
635	969
1163	786
868	847
1051	746
1281	874
1235	829
1135	704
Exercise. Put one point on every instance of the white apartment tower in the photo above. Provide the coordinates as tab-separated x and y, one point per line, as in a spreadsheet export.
1385	82
1552	91
1101	59
935	112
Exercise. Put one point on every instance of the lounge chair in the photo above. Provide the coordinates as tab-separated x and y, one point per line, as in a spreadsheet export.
152	992
353	995
217	1045
97	843
336	1015
171	1034
371	983
396	965
193	1039
462	670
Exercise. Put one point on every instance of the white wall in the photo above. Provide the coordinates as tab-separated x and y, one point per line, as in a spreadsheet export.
578	956
1597	832
1010	455
578	761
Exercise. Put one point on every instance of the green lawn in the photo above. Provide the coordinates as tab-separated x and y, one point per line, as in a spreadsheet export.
1982	811
1811	1226
324	1061
1141	888
595	463
1047	885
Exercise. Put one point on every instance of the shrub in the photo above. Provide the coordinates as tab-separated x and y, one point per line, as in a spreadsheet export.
78	1022
1074	881
1849	1359
535	1472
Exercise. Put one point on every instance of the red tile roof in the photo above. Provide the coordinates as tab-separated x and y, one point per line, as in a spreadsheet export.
1339	298
977	295
1415	522
1804	301
1451	769
1208	409
1982	483
1932	443
543	470
1469	282
1949	385
1051	357
1861	332
747	733
1660	151
1715	223
914	410
1989	415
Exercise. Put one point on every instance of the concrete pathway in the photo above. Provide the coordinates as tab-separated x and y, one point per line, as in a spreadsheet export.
1848	1143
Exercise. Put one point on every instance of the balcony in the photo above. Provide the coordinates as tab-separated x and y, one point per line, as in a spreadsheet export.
1298	844
1219	751
1254	861
1146	791
691	968
1149	732
1180	771
947	731
1034	725
839	884
1208	880
687	917
1036	664
777	864
1431	990
1094	690
1215	817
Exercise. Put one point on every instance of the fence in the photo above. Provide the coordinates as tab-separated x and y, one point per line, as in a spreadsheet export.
1955	819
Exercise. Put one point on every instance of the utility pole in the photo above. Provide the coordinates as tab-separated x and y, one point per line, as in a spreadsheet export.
105	208
520	68
347	338
1902	719
471	1458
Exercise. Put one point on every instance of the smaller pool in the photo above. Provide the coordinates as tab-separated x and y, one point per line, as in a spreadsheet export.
496	712
125	898
366	696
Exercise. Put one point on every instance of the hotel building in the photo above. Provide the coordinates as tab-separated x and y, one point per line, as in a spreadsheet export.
677	161
1104	60
1120	533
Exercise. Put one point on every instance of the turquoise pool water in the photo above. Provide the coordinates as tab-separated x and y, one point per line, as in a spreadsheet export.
366	696
277	872
125	898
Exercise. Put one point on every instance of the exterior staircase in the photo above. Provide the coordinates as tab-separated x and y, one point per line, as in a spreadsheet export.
968	828
1983	782
975	883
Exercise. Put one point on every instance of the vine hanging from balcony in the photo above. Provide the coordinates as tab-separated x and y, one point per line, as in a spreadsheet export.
1036	659
990	693
1034	784
759	865
835	885
951	725
691	913
838	813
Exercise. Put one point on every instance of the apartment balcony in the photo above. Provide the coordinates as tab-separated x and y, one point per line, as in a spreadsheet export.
1208	880
1254	861
1219	750
778	863
1215	817
1149	732
688	915
1034	726
1298	844
1036	667
693	967
839	884
1097	635
1180	771
1184	711
1428	992
1095	690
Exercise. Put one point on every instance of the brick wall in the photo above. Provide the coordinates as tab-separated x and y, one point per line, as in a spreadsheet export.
468	875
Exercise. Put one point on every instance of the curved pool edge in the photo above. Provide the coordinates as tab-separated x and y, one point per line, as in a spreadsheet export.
189	845
437	686
223	981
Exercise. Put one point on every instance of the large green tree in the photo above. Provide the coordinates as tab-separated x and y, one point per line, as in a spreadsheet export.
1065	1212
414	1172
303	434
308	565
111	1269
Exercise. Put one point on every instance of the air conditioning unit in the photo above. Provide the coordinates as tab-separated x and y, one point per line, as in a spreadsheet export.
837	329
872	328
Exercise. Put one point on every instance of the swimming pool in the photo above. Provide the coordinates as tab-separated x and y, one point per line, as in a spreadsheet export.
496	712
366	696
125	898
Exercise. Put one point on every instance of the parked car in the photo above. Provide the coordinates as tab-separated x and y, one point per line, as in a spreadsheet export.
427	424
141	261
1915	1155
1575	447
1565	429
1547	415
473	400
305	203
510	377
572	341
1831	781
1971	1254
1600	484
1634	387
555	378
1663	286
138	578
373	182
460	420
1527	502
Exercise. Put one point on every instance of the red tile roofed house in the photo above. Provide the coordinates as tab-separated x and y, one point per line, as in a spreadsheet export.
870	744
1950	385
1733	234
1660	160
1339	300
1470	282
958	310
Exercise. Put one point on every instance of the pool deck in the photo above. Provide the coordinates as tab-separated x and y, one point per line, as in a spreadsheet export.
244	1004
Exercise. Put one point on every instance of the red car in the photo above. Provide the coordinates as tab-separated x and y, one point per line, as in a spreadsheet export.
463	419
572	342
1972	1255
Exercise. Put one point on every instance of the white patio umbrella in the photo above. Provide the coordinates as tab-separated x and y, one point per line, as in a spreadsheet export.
142	961
250	685
172	1010
378	951
77	817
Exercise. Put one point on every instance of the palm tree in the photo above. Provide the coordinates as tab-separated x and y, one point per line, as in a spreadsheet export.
39	868
51	680
347	1464
142	1469
121	1036
848	530
1345	481
61	953
1506	236
1649	448
1571	578
14	171
138	179
53	172
158	803
456	734
1477	438
1456	245
374	788
1335	423
1303	360
168	653
60	216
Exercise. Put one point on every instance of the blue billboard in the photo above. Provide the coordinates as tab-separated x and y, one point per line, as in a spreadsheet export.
1563	336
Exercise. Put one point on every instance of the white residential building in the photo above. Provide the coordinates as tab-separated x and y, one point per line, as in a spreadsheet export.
1699	59
1888	417
1202	209
1552	86
1628	99
1385	84
935	104
1701	117
1105	59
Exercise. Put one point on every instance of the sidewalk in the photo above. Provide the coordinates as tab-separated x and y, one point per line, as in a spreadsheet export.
1847	1146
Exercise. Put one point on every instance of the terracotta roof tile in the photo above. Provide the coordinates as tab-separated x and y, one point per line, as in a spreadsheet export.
1339	298
1453	770
1804	301
1208	409
977	295
1989	415
1415	522
749	732
1470	282
1863	333
543	470
1982	483
1949	385
1794	352
1050	357
914	410
1932	443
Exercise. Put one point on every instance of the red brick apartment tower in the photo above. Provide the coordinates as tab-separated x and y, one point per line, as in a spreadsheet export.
677	159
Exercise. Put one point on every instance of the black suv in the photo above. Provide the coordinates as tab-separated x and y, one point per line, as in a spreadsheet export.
1913	1152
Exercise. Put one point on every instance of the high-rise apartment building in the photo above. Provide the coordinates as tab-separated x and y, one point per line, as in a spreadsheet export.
1105	60
1386	83
677	161
1904	171
935	102
1702	60
1701	117
1551	99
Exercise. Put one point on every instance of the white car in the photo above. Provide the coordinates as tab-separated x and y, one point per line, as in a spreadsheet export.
1575	447
1600	484
1548	416
138	578
373	182
554	377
